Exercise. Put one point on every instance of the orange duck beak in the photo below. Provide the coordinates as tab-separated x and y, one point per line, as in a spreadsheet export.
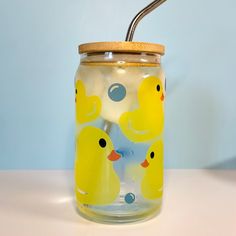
162	97
145	164
113	156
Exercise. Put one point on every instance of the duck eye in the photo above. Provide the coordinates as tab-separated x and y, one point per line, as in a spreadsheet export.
102	142
76	91
152	154
158	88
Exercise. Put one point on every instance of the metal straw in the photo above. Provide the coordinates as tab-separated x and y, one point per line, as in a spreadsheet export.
153	5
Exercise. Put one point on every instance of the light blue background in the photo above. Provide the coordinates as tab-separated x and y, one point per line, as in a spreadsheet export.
38	59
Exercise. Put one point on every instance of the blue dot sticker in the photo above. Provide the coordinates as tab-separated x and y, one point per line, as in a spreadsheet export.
129	198
117	92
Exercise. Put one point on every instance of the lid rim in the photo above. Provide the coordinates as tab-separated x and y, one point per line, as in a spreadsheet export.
121	46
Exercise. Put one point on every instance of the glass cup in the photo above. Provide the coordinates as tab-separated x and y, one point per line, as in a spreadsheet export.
119	103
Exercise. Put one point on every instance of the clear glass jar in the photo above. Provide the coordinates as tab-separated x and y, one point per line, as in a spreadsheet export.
119	102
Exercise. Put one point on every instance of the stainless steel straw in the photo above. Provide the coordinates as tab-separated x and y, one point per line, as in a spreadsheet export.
153	5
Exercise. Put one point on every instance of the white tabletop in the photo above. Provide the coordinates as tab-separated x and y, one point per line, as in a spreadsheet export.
196	202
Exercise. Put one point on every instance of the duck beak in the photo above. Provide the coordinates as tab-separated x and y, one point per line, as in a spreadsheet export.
145	164
113	156
162	97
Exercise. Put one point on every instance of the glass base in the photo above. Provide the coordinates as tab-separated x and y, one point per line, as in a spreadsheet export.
120	213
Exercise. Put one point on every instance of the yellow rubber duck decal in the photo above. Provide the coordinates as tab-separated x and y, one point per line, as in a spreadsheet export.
147	121
152	183
87	108
96	181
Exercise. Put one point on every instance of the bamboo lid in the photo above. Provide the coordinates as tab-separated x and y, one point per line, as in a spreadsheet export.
136	47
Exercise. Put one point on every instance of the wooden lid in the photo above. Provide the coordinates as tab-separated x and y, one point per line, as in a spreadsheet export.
137	47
